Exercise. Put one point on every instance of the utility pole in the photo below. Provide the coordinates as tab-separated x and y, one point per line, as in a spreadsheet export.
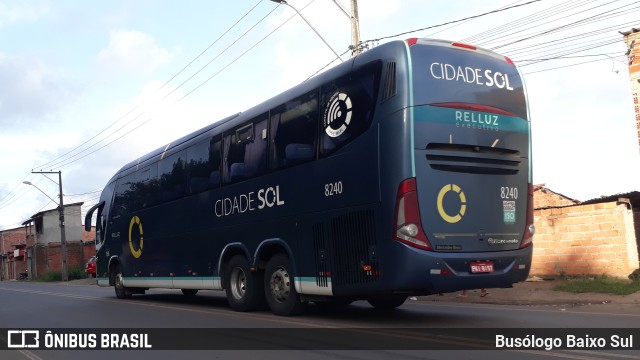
632	40
355	28
63	236
355	47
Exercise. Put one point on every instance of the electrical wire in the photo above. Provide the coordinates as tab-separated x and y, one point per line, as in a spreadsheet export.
49	163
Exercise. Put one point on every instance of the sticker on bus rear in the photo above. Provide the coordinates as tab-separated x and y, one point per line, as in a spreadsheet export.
509	212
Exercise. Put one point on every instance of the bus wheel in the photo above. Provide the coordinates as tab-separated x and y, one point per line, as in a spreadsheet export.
189	292
387	302
122	292
243	288
280	289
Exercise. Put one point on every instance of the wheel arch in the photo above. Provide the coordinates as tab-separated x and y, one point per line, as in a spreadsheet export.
269	247
230	250
113	262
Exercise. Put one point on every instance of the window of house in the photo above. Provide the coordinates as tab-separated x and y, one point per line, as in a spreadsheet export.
347	107
294	126
245	150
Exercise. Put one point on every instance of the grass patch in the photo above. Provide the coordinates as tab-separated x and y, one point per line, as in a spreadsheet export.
74	273
603	285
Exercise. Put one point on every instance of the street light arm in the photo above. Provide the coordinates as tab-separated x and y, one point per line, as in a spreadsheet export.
45	194
311	26
344	11
63	237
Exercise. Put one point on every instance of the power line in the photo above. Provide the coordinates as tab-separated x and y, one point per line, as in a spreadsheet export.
64	158
552	29
454	21
48	164
565	66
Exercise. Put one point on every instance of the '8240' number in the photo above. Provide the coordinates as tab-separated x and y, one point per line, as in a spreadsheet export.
333	188
509	193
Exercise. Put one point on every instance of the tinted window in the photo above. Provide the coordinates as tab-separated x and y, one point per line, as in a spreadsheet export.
146	186
245	150
348	104
294	126
171	174
443	75
203	164
124	200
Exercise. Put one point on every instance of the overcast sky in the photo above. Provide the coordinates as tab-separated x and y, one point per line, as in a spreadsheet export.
87	86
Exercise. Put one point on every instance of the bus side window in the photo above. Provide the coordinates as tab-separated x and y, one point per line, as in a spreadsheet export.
146	183
215	161
171	174
293	127
198	167
245	150
348	105
124	200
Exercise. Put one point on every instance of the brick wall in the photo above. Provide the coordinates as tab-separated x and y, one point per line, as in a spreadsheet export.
48	258
585	239
544	198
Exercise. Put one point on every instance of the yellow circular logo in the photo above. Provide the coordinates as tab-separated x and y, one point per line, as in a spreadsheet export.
136	253
463	203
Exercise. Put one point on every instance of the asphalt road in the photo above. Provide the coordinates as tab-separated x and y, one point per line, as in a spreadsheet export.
26	305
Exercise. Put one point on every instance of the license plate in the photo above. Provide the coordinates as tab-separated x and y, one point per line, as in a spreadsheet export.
481	267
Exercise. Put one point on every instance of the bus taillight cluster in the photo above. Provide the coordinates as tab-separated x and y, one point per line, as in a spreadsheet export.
408	227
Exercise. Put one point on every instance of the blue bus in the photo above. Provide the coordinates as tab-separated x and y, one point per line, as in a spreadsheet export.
403	171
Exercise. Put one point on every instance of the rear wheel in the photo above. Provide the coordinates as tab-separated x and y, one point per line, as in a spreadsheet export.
122	292
189	292
243	287
387	302
279	287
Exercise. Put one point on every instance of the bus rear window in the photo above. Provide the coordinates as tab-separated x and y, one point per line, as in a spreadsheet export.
458	76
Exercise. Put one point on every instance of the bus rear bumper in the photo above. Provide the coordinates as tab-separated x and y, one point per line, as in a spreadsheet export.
436	272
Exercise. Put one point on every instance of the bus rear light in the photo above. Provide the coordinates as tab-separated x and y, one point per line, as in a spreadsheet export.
440	272
529	229
412	41
465	46
408	226
509	60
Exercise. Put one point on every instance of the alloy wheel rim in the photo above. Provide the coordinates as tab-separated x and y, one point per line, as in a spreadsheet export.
238	283
280	284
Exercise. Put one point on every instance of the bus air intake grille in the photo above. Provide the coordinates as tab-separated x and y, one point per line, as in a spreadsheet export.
320	255
473	159
390	88
354	243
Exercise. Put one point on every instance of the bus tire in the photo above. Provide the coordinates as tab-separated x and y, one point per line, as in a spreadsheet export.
243	287
122	292
387	302
189	292
279	287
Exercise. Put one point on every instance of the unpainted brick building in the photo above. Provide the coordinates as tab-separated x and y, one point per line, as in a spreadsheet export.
594	237
35	248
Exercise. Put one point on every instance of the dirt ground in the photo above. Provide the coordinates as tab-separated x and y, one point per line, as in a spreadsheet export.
536	291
